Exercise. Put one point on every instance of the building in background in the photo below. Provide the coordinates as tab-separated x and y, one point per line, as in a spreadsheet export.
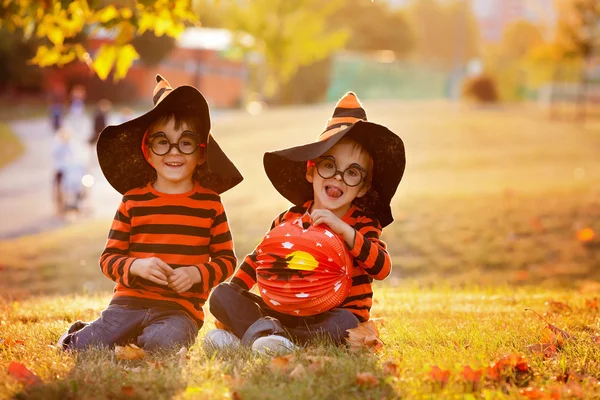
199	58
494	15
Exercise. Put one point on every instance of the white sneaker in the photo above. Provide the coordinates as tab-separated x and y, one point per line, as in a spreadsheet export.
220	339
273	344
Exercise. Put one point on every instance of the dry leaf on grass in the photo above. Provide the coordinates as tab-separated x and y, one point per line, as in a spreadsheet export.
235	379
236	396
10	342
318	362
592	304
557	306
541	394
128	391
391	368
280	363
129	352
547	350
22	374
298	372
365	336
573	389
512	364
439	375
366	379
471	375
551	333
155	364
182	356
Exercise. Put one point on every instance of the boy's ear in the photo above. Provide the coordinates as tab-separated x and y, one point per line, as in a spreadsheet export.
201	155
309	174
364	189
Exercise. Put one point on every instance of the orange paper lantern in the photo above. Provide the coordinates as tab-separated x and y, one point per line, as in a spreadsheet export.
303	269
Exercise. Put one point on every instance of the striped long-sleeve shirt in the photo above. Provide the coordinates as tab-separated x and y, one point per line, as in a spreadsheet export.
371	260
183	230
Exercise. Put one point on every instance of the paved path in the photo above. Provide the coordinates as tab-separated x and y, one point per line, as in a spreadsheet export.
26	203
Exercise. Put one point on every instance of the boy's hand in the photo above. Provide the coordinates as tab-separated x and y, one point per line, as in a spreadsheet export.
183	278
328	218
153	269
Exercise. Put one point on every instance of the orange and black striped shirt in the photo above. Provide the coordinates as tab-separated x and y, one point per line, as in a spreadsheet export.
187	229
371	260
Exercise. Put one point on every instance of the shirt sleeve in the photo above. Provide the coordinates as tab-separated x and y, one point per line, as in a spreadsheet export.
115	262
222	256
369	250
245	275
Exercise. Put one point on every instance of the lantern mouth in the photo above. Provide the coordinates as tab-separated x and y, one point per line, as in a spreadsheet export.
303	269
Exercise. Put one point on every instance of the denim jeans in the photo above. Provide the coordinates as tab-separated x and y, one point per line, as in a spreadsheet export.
149	328
240	310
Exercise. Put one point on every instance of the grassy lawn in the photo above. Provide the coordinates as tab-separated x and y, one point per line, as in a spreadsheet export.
421	329
11	145
499	211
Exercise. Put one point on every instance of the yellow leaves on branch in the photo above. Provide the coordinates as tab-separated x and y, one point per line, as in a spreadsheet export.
121	57
59	21
365	336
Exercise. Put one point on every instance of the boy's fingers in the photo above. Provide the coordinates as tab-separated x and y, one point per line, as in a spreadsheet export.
164	266
156	280
158	274
177	280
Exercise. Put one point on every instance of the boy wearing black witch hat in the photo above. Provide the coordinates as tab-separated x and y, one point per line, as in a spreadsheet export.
169	243
345	180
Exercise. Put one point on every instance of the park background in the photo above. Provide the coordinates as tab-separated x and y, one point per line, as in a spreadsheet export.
498	103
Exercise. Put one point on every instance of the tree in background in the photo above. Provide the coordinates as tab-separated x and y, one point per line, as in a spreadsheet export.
282	35
508	63
55	23
15	71
371	27
579	37
446	34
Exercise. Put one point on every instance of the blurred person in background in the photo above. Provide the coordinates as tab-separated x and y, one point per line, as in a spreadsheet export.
100	120
62	154
77	111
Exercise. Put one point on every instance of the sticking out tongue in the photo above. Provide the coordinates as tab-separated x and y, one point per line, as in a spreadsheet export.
333	192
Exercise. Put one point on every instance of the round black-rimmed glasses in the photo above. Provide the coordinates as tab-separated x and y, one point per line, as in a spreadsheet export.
352	176
187	144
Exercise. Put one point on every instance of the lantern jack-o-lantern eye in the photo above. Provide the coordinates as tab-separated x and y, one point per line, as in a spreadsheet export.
303	269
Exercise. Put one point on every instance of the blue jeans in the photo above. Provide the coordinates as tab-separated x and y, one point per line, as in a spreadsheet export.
149	328
243	312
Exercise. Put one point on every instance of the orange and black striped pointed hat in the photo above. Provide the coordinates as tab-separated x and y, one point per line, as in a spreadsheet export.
348	111
122	159
286	168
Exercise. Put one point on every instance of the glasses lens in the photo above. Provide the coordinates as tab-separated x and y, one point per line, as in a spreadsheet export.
160	145
326	168
188	144
352	176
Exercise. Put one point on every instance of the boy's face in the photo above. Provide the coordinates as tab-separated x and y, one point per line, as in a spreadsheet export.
174	167
334	193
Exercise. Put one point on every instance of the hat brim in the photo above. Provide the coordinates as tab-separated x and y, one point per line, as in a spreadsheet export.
124	165
286	168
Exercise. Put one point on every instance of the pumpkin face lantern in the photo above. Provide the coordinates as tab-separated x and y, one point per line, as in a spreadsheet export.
303	269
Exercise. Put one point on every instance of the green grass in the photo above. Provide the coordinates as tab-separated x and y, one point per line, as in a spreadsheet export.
11	148
487	218
420	328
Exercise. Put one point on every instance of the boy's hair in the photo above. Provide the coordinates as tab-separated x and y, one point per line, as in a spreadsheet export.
357	147
180	117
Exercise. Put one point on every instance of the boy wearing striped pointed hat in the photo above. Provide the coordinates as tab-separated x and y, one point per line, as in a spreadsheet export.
345	180
169	243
